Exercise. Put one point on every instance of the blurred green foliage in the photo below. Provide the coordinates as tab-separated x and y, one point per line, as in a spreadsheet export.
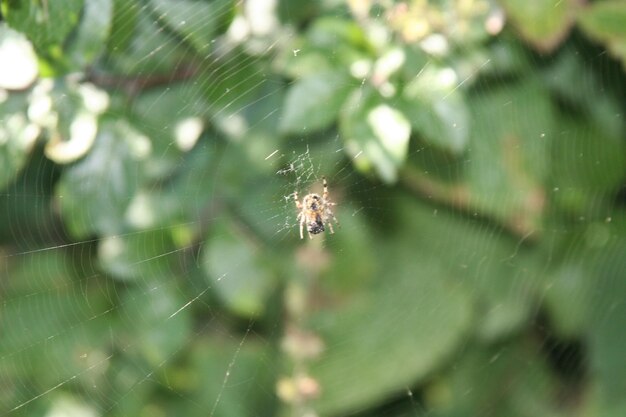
149	254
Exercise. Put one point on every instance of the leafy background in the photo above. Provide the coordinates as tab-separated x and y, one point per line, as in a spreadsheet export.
149	251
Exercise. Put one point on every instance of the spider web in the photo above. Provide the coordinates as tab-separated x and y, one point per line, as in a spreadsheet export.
160	272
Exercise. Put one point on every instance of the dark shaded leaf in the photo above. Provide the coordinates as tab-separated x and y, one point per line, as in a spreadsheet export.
606	22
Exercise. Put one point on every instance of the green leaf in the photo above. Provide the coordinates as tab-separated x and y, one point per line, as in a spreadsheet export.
332	44
589	97
246	363
17	136
432	301
586	163
68	113
58	323
430	316
508	161
606	22
26	273
139	57
46	23
481	256
330	33
26	206
171	132
190	181
376	135
569	288
141	255
543	23
95	192
123	24
124	374
194	21
607	342
159	324
436	109
230	86
55	321
361	366
299	63
237	269
519	366
92	32
313	103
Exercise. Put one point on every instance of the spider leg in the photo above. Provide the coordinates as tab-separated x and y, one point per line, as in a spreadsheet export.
300	218
329	214
325	184
295	197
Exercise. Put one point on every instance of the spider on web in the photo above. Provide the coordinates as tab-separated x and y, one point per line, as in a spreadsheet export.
315	211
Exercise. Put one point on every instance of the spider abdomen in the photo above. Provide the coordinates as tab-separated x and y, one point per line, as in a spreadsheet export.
316	227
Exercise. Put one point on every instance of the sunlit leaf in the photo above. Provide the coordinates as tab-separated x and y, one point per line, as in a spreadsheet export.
16	49
174	118
17	136
95	192
376	135
68	113
436	108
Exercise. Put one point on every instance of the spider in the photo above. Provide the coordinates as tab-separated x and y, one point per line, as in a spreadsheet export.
315	211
